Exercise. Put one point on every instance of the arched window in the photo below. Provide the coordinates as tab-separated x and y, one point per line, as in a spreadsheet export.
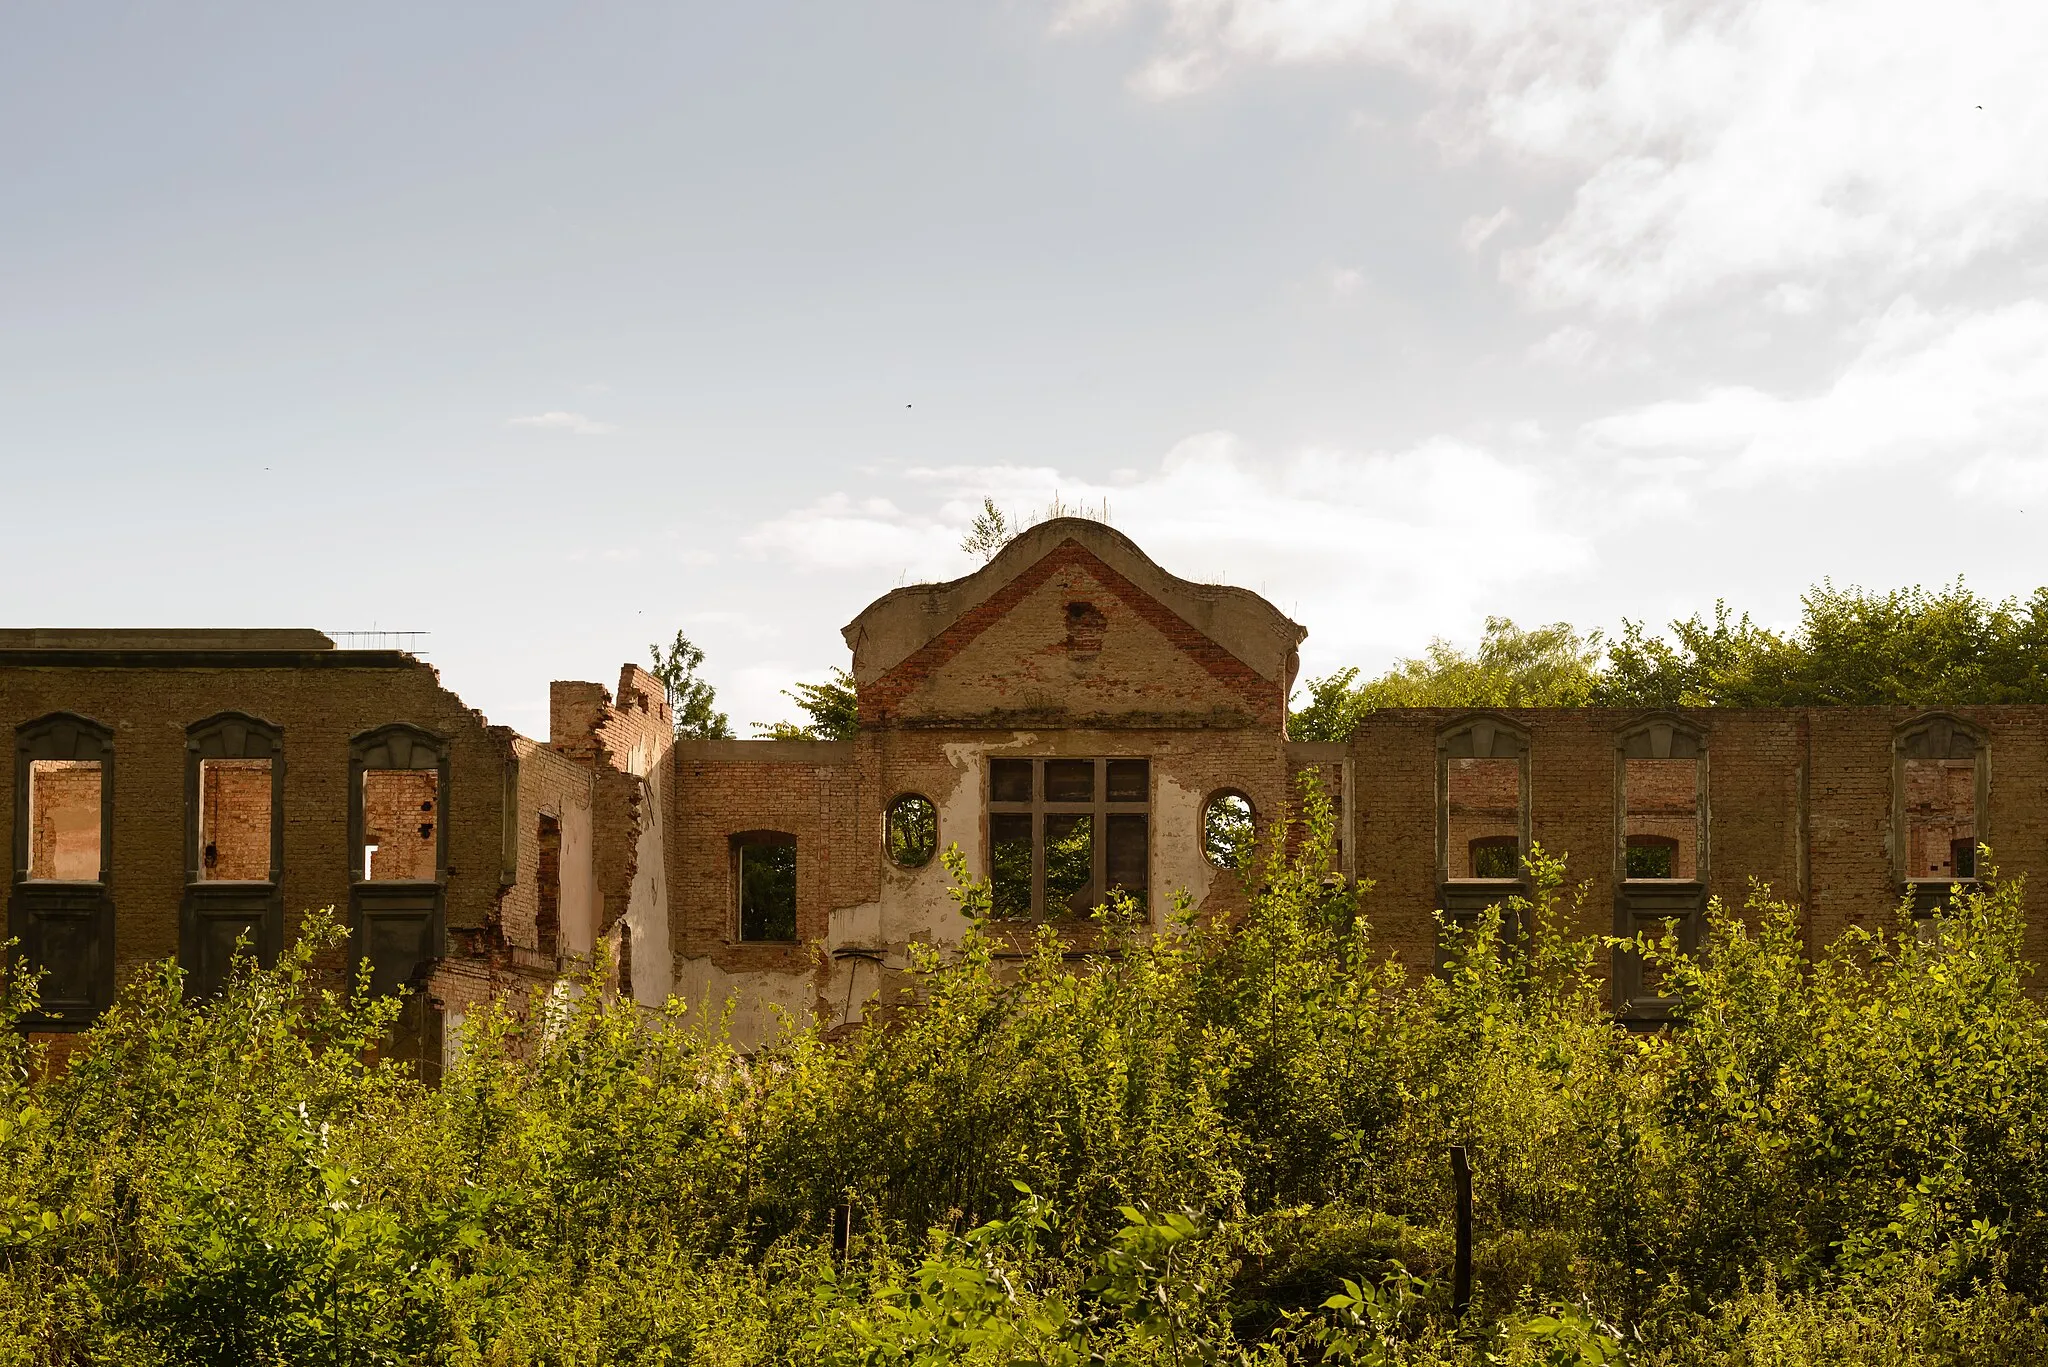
1940	788
61	909
1229	829
234	846
911	831
398	846
1661	851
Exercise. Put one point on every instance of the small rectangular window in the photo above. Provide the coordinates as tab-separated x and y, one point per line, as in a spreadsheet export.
1496	856
401	815
64	818
1663	821
1009	780
1130	780
765	866
1484	798
1070	780
234	820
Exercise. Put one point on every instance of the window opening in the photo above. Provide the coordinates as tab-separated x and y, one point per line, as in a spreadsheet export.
911	830
234	820
1067	835
1495	856
547	916
1484	801
1228	830
400	810
765	873
1663	822
64	818
1941	818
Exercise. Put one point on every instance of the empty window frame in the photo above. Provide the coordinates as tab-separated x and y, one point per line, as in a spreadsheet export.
547	878
1663	786
1067	835
1661	853
764	885
398	834
1229	830
234	848
910	831
1482	801
1940	781
234	800
67	827
60	912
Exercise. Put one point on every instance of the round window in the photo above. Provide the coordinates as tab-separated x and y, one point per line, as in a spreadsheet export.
911	831
1227	830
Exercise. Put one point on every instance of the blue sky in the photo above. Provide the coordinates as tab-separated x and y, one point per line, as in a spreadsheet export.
549	330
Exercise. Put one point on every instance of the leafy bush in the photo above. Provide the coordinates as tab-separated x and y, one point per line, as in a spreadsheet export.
1225	1143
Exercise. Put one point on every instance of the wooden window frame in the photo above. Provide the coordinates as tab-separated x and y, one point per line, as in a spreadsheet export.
1100	808
214	911
44	911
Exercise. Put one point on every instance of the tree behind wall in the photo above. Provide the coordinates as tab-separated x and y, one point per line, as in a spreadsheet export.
691	699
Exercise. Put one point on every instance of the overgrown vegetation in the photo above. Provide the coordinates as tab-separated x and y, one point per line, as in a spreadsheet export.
1914	646
1221	1145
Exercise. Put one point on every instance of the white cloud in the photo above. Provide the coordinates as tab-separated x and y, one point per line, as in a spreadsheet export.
1714	143
558	421
1345	282
1961	394
1373	549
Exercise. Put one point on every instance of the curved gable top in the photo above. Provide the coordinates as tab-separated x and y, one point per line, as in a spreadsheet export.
1224	629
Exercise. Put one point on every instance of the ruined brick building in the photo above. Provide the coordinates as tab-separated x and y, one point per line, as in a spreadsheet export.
1070	715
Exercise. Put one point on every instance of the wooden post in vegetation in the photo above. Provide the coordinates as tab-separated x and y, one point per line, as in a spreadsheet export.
842	1230
1461	1268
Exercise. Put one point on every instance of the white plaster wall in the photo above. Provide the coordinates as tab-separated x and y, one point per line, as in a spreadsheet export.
647	900
1178	861
579	881
756	999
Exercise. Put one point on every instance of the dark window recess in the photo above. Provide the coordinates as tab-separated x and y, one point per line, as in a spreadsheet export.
911	831
1070	780
1651	856
1496	856
1009	863
547	917
1962	856
1009	780
1066	835
766	874
625	960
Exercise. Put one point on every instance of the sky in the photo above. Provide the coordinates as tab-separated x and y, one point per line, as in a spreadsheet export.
552	330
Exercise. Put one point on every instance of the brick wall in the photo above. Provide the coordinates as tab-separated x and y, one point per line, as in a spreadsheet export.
318	709
234	820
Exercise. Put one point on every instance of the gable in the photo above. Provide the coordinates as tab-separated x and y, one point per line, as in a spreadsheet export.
1066	637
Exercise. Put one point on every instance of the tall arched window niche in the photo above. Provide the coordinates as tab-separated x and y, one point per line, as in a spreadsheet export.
1941	790
234	846
398	846
60	909
1660	851
1482	815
